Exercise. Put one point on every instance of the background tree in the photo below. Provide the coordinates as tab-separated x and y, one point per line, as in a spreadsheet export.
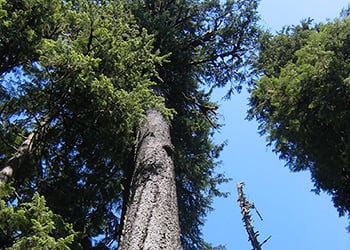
302	102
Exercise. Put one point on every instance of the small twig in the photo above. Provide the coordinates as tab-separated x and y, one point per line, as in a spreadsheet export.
16	194
266	240
256	210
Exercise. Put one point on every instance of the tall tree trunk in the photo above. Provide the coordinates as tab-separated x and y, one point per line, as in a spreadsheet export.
151	220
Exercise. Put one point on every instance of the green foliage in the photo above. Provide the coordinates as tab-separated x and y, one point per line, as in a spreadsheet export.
32	225
84	91
81	75
23	25
302	103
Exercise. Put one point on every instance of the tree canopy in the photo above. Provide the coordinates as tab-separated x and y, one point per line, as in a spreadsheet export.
81	91
302	102
76	80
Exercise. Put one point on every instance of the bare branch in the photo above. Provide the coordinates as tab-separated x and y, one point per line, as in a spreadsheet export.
245	207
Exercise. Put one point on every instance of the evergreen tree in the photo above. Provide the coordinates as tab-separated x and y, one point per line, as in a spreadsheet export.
302	103
69	109
208	44
85	90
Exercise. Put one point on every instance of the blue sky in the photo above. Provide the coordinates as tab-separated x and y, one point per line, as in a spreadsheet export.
296	218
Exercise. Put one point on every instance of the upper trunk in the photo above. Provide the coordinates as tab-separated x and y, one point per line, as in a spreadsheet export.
151	220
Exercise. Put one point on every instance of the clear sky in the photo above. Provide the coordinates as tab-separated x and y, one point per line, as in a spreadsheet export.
296	218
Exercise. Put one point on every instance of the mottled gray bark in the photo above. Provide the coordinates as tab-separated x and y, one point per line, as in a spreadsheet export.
151	220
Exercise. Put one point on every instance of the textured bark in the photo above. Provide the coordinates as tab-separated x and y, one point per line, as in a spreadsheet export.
151	220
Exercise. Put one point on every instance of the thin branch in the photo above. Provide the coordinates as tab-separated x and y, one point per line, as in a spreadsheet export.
265	240
213	57
256	210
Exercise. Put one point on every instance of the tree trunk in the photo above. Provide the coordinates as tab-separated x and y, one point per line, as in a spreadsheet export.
151	220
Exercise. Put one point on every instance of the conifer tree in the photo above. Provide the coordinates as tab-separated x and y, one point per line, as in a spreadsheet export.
208	43
87	93
69	106
302	102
